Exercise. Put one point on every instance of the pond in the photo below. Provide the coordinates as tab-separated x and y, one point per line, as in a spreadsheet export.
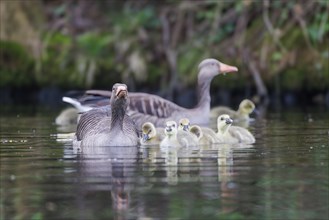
284	175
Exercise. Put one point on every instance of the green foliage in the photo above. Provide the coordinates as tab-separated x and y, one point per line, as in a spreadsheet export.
37	216
125	42
16	65
222	33
292	78
94	45
319	27
57	63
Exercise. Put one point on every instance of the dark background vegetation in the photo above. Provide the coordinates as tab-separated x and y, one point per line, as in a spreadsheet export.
49	47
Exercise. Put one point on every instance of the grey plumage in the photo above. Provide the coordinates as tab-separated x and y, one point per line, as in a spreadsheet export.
145	107
152	108
108	125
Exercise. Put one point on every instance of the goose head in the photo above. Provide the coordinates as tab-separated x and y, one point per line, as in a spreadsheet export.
223	123
171	128
119	102
119	94
210	68
148	131
246	106
184	124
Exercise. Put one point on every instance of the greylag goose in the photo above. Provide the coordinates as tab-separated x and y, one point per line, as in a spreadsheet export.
233	134
108	125
146	107
177	138
246	107
151	135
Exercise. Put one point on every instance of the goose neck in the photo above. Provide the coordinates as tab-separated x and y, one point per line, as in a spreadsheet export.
203	91
118	113
224	129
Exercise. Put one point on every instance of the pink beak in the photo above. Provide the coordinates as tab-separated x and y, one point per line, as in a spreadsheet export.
121	91
224	68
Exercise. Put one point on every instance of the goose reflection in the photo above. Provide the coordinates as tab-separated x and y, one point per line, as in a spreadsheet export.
110	170
209	167
110	173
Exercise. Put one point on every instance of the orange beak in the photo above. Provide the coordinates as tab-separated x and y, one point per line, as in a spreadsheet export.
224	68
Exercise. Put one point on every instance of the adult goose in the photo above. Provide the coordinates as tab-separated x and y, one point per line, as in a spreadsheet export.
145	107
108	125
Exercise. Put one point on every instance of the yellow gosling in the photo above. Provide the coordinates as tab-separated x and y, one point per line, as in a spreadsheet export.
246	107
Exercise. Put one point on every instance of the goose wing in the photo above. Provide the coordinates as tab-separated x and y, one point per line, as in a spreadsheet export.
89	120
154	105
145	103
140	118
104	93
94	100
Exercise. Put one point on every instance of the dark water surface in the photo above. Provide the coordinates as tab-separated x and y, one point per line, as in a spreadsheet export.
283	176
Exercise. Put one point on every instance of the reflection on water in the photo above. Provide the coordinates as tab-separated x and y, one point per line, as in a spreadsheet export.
283	176
108	170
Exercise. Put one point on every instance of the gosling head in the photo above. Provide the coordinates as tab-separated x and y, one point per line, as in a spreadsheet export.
223	123
184	124
211	67
197	131
246	106
148	131
171	128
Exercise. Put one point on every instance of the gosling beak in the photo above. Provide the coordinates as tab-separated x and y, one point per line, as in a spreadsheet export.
186	127
145	137
256	111
168	129
228	121
224	68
